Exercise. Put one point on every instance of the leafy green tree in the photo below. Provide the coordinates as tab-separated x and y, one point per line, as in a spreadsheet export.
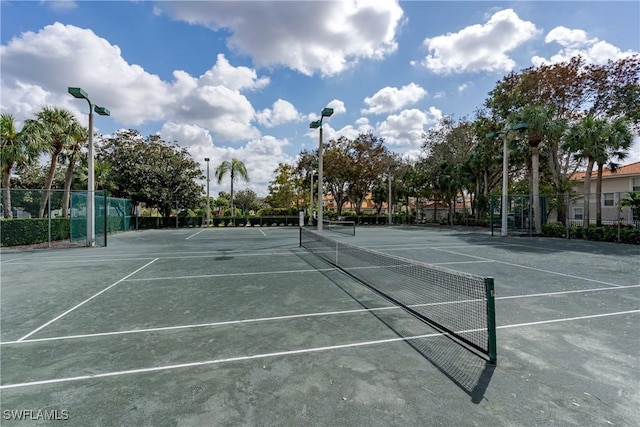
367	158
282	190
151	171
54	129
248	199
337	171
236	170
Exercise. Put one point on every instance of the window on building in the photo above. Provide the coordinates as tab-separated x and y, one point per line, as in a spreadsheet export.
577	213
636	184
608	199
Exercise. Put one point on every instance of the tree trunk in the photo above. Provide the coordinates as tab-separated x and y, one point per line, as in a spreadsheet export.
233	211
586	192
537	215
6	192
47	185
599	196
68	177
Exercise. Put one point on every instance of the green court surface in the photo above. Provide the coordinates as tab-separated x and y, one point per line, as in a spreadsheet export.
224	326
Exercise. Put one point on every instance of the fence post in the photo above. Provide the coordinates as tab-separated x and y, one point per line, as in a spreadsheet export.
491	214
105	213
49	221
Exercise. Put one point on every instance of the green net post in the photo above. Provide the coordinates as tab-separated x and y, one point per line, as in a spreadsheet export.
491	320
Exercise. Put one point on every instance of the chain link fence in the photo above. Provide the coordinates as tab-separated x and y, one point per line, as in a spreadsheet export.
571	211
35	218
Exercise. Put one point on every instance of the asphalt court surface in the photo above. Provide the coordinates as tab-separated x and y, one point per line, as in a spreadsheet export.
243	327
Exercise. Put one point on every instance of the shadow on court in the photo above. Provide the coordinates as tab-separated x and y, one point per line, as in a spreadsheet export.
466	369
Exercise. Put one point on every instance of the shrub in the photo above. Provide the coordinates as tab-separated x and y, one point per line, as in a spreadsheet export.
29	231
554	229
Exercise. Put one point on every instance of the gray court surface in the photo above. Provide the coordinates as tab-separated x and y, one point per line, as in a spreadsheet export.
242	327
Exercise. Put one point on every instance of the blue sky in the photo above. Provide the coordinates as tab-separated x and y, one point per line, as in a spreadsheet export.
244	78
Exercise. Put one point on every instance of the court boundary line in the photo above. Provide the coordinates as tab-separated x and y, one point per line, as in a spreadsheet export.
195	234
532	268
291	316
161	255
85	301
250	273
286	353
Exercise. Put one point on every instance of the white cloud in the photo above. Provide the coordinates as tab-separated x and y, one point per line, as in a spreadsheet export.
576	42
480	47
261	156
60	5
407	127
336	104
390	99
462	87
307	36
282	112
186	134
61	55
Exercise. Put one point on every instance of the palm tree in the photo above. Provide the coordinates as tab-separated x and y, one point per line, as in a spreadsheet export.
615	146
542	124
15	151
236	169
585	140
56	129
633	201
72	154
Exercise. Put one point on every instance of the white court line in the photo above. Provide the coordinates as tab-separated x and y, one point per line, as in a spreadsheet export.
258	273
532	268
77	260
575	291
291	316
195	234
167	255
262	232
85	301
285	353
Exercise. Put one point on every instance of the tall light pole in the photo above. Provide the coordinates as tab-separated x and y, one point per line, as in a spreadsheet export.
91	220
206	159
505	172
313	165
326	112
390	213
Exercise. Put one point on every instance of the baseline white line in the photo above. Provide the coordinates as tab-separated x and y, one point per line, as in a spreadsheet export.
258	273
217	361
578	291
262	232
76	260
195	234
85	301
295	316
532	268
567	319
282	353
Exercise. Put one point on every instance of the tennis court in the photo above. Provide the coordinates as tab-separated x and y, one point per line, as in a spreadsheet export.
242	326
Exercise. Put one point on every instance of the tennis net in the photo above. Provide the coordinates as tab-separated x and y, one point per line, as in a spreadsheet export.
343	227
461	305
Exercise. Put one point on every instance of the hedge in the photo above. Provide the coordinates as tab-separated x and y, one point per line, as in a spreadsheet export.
29	231
607	233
